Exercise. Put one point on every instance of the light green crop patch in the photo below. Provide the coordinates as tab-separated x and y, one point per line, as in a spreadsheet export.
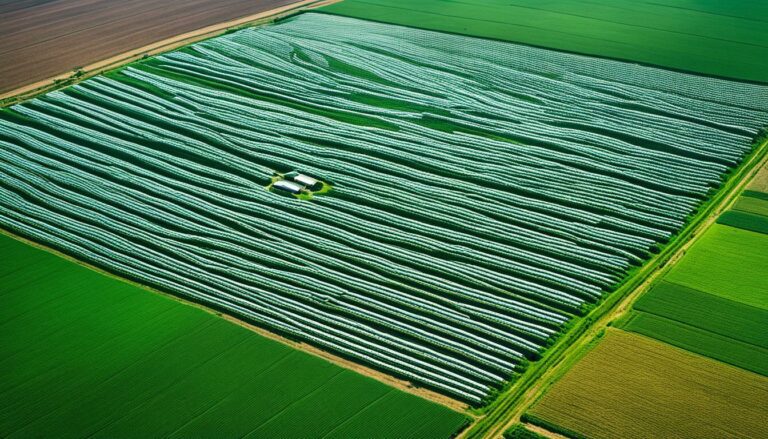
728	262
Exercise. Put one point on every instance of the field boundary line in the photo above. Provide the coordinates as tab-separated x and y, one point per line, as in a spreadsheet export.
71	77
509	407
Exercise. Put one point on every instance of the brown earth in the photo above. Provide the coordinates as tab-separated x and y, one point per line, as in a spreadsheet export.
43	38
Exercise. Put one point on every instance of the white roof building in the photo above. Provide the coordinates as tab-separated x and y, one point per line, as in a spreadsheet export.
305	180
288	186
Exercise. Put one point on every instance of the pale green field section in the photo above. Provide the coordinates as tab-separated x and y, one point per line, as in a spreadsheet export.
86	355
752	204
727	262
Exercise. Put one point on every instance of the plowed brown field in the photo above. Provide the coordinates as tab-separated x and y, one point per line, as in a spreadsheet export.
42	38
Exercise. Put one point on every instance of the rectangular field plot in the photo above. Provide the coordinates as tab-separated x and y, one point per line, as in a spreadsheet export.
482	192
744	220
728	262
753	357
724	38
630	386
41	39
707	311
85	355
752	202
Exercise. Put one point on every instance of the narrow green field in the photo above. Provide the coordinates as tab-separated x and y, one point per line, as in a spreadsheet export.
707	312
727	262
630	386
700	341
745	220
83	354
728	39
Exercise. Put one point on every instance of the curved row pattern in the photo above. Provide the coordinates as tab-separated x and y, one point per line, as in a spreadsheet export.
484	192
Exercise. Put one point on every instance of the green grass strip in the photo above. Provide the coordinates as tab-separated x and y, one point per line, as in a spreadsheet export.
755	194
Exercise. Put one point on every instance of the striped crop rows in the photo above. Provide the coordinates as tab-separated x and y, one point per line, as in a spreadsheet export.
483	192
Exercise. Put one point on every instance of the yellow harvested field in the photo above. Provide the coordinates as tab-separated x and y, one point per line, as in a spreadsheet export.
630	386
760	182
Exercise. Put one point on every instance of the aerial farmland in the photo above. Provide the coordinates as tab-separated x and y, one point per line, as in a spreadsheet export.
437	223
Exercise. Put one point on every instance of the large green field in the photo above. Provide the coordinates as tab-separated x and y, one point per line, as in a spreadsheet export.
84	354
631	386
723	38
727	262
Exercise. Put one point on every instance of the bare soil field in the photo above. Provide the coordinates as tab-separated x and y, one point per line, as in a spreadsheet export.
42	38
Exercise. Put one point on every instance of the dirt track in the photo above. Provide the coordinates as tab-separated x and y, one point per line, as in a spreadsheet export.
42	38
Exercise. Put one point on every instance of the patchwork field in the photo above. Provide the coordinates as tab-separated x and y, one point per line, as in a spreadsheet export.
750	212
630	386
745	220
753	202
727	262
724	317
723	38
712	313
40	39
710	344
483	193
82	354
634	386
